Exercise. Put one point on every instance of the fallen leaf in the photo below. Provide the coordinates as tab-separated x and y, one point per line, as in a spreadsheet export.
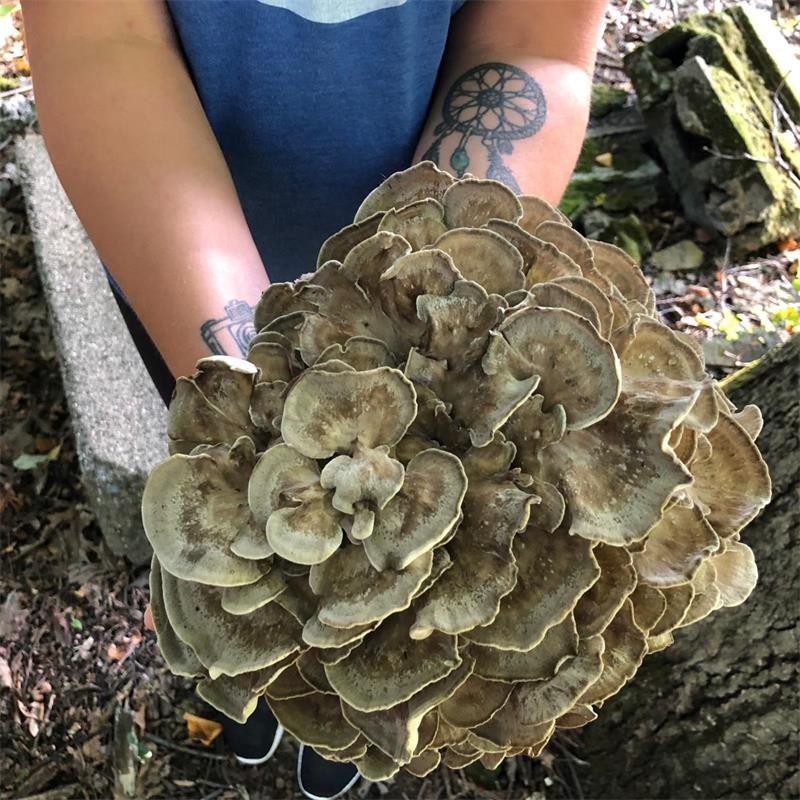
61	628
5	675
201	730
139	718
44	443
93	749
85	647
547	759
29	460
12	616
786	245
605	159
119	652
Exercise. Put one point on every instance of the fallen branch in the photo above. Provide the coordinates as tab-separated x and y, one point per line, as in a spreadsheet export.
192	751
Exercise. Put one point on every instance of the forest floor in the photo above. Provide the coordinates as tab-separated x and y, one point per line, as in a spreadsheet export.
73	649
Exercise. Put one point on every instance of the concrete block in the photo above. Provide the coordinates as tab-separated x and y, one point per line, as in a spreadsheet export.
118	417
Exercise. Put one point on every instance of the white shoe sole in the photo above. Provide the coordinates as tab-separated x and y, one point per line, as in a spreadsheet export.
352	782
250	762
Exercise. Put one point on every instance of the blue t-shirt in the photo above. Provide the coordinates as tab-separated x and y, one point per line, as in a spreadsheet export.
313	103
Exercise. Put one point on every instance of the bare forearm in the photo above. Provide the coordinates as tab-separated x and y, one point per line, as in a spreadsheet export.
134	150
513	96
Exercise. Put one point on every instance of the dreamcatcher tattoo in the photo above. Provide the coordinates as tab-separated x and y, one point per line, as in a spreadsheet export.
497	103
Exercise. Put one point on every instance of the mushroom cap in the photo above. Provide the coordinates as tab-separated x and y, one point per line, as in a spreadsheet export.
191	514
224	643
212	406
422	514
327	413
423	180
733	482
420	223
180	658
337	246
484	257
539	663
406	728
555	569
472	202
625	648
389	668
237	697
535	211
578	369
675	548
618	475
597	607
484	569
353	593
315	719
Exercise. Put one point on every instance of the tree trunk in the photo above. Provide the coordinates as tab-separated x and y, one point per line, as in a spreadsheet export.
716	715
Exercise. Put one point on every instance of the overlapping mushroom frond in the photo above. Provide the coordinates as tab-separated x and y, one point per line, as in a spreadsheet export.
463	483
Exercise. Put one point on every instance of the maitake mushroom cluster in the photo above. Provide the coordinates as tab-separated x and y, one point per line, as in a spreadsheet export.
463	483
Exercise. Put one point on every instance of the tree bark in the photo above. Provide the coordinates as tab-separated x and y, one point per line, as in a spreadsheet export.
716	715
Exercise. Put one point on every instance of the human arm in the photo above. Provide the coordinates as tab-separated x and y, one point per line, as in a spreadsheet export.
136	155
512	100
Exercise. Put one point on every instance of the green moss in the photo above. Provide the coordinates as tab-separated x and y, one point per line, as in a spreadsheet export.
651	76
626	232
606	99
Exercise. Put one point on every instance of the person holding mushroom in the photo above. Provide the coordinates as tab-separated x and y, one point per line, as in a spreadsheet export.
445	491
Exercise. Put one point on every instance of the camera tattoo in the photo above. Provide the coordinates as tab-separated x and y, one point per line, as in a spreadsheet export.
496	103
232	332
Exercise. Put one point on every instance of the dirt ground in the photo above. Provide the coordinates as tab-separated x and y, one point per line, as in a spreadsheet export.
75	658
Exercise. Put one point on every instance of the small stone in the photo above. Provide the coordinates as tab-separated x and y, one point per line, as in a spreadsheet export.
280	783
683	255
605	159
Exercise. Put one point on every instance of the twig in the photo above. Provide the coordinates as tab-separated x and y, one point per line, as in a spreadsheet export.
446	778
18	90
739	157
422	788
776	144
29	548
192	751
59	793
723	275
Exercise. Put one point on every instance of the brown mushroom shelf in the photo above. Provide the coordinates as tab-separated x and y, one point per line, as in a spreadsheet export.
463	483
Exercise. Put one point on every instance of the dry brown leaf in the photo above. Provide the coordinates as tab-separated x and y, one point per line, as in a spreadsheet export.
120	651
93	749
139	718
201	730
5	675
